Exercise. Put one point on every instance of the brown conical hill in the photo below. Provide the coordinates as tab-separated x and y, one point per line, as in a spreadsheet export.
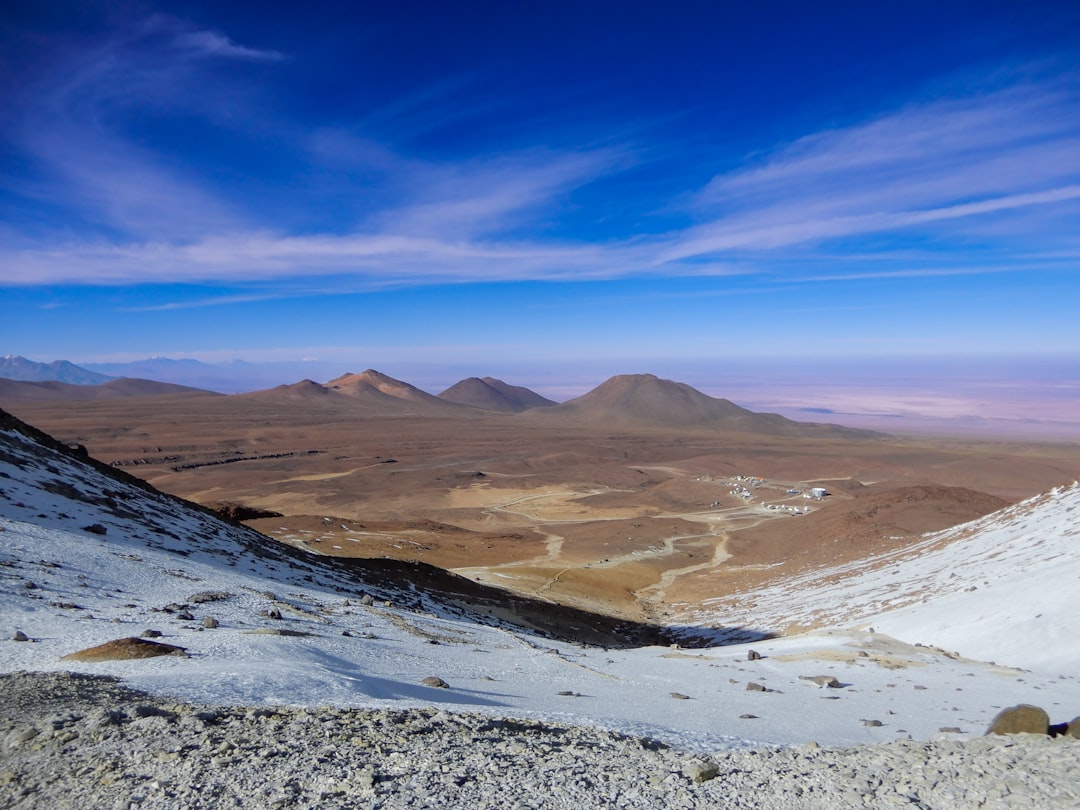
647	400
494	395
298	391
377	389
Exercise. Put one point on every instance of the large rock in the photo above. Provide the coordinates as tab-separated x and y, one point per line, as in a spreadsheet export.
1021	719
822	681
700	770
123	649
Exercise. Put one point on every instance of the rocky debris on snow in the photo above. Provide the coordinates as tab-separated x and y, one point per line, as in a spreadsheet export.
70	741
208	596
754	686
436	682
823	681
277	631
124	649
209	622
680	696
753	655
20	636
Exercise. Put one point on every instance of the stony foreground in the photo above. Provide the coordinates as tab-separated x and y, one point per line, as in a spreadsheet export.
80	741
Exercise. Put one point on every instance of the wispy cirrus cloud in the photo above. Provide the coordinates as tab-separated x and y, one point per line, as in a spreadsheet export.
948	160
78	125
370	260
939	169
213	43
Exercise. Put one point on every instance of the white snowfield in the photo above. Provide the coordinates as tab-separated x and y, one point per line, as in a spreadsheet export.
997	588
68	588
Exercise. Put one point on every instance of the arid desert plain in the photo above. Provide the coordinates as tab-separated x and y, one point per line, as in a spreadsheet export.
639	500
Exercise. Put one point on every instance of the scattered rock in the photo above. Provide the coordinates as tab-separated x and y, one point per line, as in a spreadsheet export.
435	682
367	600
208	596
824	681
95	528
209	622
752	686
680	696
753	655
185	616
873	723
950	730
1021	719
20	636
151	634
277	631
748	717
569	693
272	613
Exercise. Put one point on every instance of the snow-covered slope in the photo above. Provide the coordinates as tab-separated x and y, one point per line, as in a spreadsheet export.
996	588
68	586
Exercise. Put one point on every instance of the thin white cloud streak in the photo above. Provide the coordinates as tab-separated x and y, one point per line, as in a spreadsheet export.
481	197
379	259
212	43
723	236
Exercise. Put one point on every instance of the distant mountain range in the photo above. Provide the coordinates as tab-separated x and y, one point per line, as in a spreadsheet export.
227	378
53	390
373	391
14	367
625	401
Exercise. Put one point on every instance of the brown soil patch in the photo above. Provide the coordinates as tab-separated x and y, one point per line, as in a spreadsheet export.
125	649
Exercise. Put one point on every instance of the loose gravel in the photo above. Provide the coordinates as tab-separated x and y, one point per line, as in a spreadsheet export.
80	741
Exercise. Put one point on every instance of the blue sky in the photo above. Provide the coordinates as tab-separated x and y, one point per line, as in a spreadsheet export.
625	186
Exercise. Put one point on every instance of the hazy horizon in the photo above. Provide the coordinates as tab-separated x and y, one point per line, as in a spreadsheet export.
1025	397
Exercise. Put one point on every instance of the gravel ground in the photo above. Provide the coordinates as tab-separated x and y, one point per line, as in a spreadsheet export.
79	741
